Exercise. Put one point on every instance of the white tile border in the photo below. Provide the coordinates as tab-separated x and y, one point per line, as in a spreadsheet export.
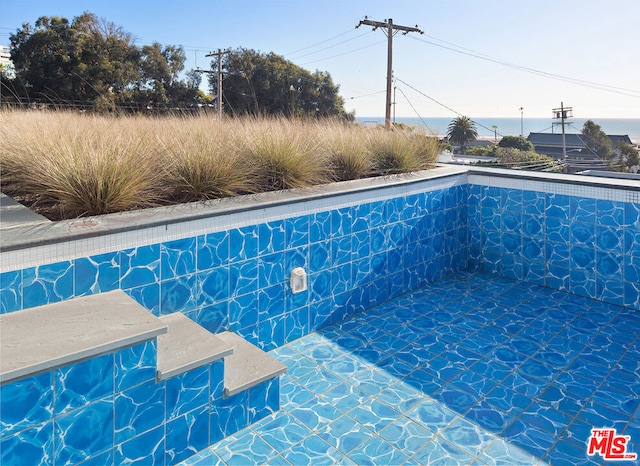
593	190
63	241
250	210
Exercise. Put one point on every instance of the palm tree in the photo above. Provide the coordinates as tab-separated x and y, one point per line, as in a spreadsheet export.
462	130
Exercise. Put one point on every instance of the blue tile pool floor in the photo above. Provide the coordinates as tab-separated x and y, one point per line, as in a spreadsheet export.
472	369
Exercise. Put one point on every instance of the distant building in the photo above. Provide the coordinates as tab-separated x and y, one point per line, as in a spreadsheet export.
551	144
579	156
6	65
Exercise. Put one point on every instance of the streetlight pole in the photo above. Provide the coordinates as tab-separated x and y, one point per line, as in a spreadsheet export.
521	122
495	134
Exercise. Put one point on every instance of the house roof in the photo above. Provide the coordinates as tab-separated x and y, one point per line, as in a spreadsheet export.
618	138
572	139
551	144
554	139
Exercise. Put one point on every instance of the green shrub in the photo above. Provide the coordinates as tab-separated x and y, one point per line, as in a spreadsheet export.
516	142
514	158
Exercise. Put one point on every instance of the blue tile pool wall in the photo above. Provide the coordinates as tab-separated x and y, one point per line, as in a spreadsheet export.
110	410
355	256
589	247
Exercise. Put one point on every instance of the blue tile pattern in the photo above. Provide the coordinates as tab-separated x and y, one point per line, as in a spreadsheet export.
112	410
83	383
356	256
84	433
528	369
471	369
33	445
26	402
585	246
49	283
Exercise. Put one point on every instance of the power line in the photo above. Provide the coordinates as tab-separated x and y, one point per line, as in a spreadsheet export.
414	109
443	105
331	46
580	82
319	43
367	95
341	54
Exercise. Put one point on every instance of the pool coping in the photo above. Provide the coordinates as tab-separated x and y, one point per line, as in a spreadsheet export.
89	227
48	233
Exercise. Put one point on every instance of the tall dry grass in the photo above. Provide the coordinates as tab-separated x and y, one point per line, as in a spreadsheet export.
202	159
401	152
68	165
282	154
80	165
348	152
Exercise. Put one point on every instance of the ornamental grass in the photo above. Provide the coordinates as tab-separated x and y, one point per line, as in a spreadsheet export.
70	166
394	152
202	160
67	165
348	152
282	154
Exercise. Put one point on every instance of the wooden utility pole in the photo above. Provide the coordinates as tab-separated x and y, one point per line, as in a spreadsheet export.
219	54
562	114
389	29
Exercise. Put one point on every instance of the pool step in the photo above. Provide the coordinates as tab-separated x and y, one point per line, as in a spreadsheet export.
248	366
50	336
54	335
186	346
170	367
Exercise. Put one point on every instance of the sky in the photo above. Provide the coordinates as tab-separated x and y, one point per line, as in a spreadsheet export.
479	58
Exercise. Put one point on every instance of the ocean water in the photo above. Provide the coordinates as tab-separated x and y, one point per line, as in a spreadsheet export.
512	126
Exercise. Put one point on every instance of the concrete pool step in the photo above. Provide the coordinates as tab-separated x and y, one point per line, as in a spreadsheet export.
55	335
50	336
186	346
14	214
248	366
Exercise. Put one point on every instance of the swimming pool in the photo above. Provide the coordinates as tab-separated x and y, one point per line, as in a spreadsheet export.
226	265
471	369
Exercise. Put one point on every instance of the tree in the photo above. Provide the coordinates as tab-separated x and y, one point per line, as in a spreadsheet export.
159	70
462	130
629	158
80	62
93	63
516	142
267	84
597	140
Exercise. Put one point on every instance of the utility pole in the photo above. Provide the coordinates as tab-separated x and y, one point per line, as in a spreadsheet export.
562	114
219	54
389	29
